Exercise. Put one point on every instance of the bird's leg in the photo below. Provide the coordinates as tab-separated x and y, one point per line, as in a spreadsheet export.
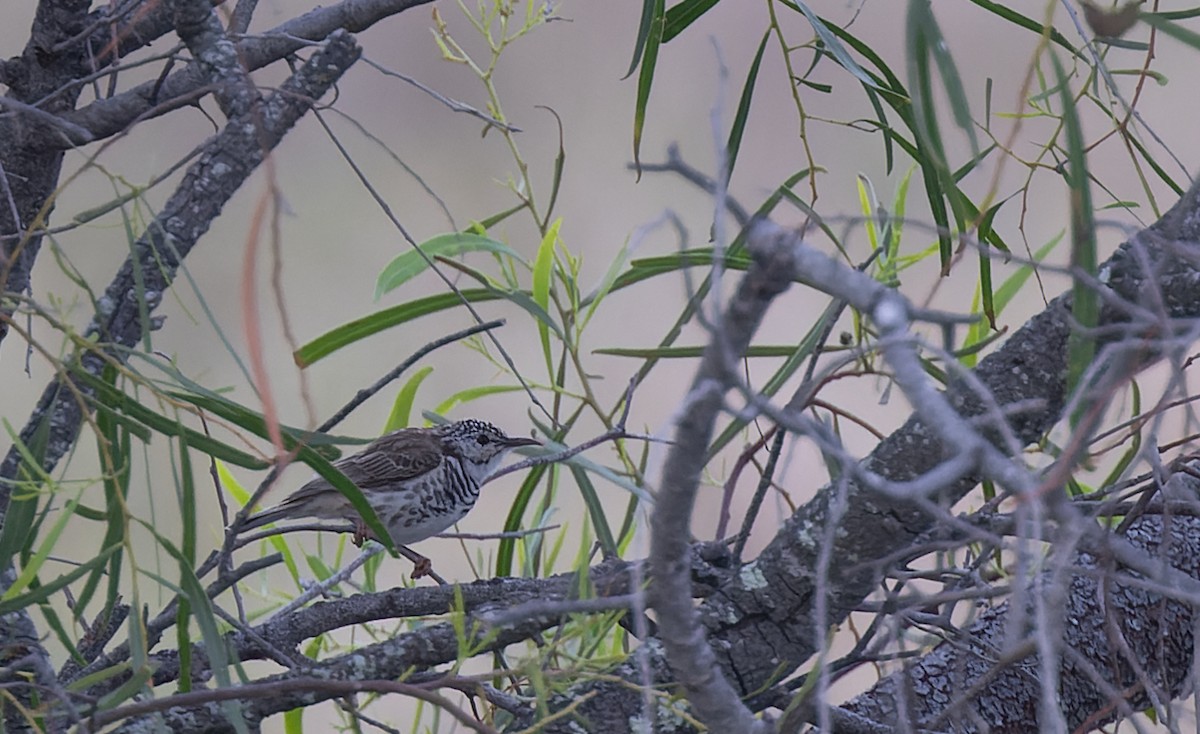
361	533
422	566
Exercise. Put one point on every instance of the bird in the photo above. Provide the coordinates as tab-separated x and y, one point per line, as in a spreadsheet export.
419	481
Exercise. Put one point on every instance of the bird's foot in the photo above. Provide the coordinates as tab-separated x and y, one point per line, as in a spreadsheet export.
361	533
422	567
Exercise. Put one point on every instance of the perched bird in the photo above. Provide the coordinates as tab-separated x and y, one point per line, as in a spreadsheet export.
419	481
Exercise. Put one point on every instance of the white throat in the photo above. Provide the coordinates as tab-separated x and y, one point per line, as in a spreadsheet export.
479	472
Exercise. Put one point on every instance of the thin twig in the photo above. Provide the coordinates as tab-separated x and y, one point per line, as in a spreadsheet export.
363	395
676	164
453	104
617	432
470	307
510	535
251	691
320	589
764	483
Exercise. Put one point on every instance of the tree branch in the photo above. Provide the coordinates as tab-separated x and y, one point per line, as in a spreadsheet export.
760	622
989	676
228	160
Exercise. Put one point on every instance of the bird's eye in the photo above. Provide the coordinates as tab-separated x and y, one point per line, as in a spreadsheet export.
483	439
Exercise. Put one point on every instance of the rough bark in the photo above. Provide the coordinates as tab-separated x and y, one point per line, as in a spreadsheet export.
761	624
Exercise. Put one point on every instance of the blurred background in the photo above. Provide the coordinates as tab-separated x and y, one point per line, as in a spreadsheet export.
334	238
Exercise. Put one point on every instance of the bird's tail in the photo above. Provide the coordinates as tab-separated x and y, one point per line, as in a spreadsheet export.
266	517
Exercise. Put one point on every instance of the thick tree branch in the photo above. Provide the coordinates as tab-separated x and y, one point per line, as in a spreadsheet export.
107	117
760	623
31	152
399	656
716	702
137	289
989	677
227	161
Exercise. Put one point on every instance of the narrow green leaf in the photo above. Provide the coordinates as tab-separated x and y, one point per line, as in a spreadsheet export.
1174	30
985	287
253	421
534	309
644	29
961	172
899	207
868	205
506	550
118	400
593	299
683	15
827	36
653	37
542	275
885	128
87	681
353	331
138	682
187	503
483	225
183	642
1025	22
402	405
649	267
1175	15
985	263
1085	305
620	480
743	109
293	721
17	533
46	590
931	155
889	84
473	393
951	81
1154	166
409	265
29	571
202	613
60	631
143	434
560	163
114	458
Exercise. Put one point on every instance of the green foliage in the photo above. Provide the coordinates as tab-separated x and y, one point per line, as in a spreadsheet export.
529	260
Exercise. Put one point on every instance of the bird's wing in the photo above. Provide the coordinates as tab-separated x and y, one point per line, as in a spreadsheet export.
388	460
394	458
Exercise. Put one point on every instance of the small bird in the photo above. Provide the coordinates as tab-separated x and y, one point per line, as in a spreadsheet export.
419	481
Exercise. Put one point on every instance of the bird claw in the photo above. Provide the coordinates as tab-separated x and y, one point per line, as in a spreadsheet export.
361	534
422	567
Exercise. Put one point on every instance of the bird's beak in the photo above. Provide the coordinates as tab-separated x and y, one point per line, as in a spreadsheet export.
513	442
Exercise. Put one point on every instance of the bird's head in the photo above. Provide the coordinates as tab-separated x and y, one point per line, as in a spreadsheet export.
480	445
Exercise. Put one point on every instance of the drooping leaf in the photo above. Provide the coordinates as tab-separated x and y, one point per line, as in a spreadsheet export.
1085	303
654	11
540	293
410	264
402	405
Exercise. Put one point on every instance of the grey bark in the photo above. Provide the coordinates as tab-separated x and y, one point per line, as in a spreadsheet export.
760	623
